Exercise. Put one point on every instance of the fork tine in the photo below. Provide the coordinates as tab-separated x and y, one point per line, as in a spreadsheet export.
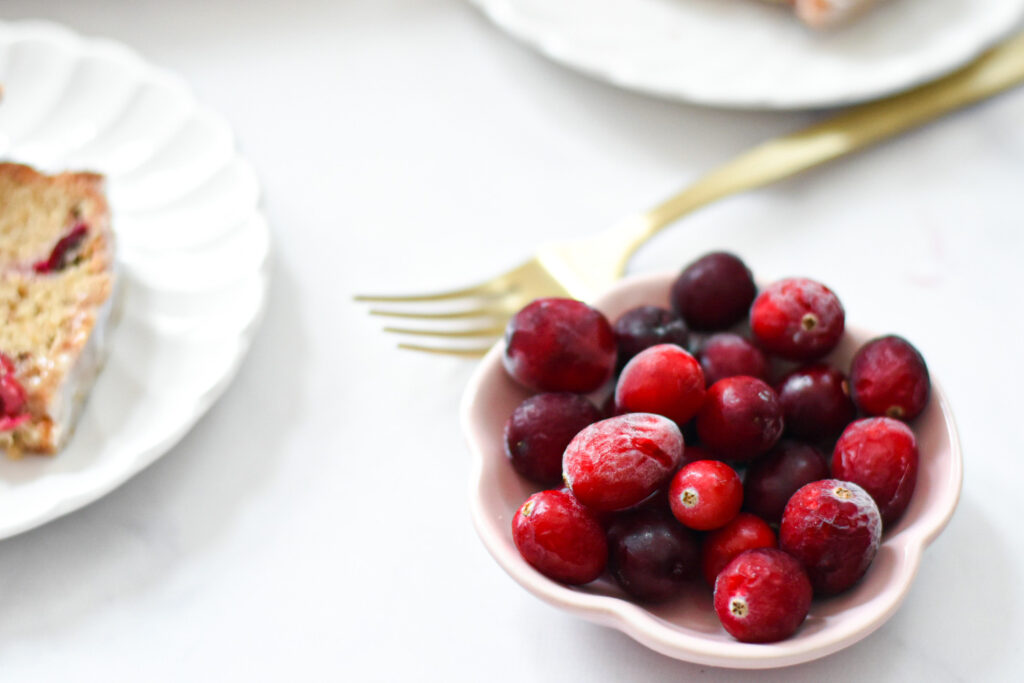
477	332
470	352
482	290
444	315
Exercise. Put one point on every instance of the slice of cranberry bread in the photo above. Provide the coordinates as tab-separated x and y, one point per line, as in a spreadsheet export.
56	286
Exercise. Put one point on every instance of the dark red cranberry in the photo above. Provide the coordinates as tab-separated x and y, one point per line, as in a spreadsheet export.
744	532
663	379
773	479
646	326
816	402
728	355
560	538
714	292
616	463
740	419
560	345
762	596
651	555
833	527
797	319
538	431
879	454
888	377
59	257
706	494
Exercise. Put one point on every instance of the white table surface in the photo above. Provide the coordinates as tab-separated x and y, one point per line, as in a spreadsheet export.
314	526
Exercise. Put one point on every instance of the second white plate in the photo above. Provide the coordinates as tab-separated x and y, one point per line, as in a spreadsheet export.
192	247
749	54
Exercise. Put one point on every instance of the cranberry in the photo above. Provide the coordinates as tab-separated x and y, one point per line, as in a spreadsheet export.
879	454
12	397
889	378
560	345
59	255
714	292
762	596
797	319
744	532
663	379
646	326
773	479
816	402
651	556
616	463
741	418
833	527
538	431
705	494
560	538
728	355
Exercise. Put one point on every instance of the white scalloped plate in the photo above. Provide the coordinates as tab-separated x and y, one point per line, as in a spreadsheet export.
192	247
748	54
687	628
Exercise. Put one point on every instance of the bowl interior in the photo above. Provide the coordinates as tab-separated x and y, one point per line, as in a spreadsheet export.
687	628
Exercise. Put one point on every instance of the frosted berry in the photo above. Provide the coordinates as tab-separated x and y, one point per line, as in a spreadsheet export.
880	454
816	402
617	463
744	532
646	326
706	494
560	345
762	596
727	355
797	319
834	528
651	555
665	380
740	419
714	292
888	377
538	431
772	479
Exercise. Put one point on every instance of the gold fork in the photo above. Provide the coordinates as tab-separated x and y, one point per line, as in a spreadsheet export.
583	268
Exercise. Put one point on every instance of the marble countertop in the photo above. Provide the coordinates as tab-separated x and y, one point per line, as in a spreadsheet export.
314	526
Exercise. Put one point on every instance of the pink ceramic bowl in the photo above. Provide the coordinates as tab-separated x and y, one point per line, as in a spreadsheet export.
687	628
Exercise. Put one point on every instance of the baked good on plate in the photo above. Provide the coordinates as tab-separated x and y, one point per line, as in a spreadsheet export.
56	294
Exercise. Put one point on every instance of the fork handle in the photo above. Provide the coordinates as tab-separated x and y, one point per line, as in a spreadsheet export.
996	70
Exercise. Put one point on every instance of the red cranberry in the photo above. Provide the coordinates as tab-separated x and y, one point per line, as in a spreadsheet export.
889	377
714	292
741	418
12	397
833	527
762	596
773	479
663	379
560	538
706	494
879	454
651	556
816	402
560	345
616	463
646	326
744	532
797	319
59	257
538	431
728	355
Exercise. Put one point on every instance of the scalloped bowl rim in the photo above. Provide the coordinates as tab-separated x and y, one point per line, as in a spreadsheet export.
650	630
